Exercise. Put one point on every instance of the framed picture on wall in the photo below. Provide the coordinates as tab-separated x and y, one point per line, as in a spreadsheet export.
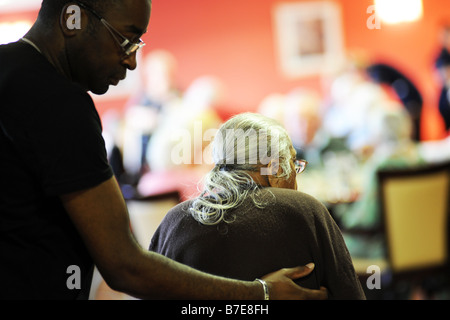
308	37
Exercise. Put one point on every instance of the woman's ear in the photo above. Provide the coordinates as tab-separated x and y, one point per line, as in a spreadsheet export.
273	168
72	19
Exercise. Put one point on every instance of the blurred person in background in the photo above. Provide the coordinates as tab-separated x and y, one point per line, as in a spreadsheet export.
145	111
272	106
442	64
393	146
303	117
178	151
197	107
406	91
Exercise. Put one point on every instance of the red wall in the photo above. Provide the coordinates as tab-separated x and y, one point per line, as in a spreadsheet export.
232	39
235	41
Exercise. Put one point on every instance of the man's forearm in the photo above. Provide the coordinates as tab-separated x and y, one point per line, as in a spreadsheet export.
100	216
158	277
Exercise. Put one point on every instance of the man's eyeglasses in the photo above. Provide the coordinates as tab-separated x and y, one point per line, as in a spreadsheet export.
127	46
300	165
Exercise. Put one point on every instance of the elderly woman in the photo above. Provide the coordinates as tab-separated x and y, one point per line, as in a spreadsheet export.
250	219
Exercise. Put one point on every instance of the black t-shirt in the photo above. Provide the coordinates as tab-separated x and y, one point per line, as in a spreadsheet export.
50	144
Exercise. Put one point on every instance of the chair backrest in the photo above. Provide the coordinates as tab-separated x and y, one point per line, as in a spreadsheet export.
415	210
147	213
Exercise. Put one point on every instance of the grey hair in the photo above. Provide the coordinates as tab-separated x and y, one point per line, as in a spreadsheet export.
246	142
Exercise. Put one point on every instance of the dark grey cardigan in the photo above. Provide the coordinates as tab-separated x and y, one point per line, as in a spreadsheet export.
293	229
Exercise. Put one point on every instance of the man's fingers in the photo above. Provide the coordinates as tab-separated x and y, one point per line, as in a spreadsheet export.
298	272
311	294
282	287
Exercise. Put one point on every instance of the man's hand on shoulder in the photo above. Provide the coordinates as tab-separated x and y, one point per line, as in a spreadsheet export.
282	287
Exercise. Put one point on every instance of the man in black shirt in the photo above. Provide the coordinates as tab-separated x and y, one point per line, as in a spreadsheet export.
60	207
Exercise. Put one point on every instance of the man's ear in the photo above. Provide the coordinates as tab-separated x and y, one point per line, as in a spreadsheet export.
72	19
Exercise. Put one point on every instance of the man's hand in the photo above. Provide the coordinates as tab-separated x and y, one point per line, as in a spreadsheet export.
281	286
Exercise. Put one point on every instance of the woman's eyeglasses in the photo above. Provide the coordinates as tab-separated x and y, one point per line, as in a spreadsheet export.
300	165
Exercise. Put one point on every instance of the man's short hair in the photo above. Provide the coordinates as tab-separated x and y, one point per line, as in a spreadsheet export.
51	9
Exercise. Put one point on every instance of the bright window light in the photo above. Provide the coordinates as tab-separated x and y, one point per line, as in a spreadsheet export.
8	6
13	31
396	11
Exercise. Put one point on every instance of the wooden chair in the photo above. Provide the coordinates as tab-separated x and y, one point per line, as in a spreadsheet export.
415	210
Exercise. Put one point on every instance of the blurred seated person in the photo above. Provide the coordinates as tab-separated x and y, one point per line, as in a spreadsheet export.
343	121
112	133
353	98
250	218
144	110
272	106
404	88
351	94
393	147
178	153
442	65
303	116
158	80
300	111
